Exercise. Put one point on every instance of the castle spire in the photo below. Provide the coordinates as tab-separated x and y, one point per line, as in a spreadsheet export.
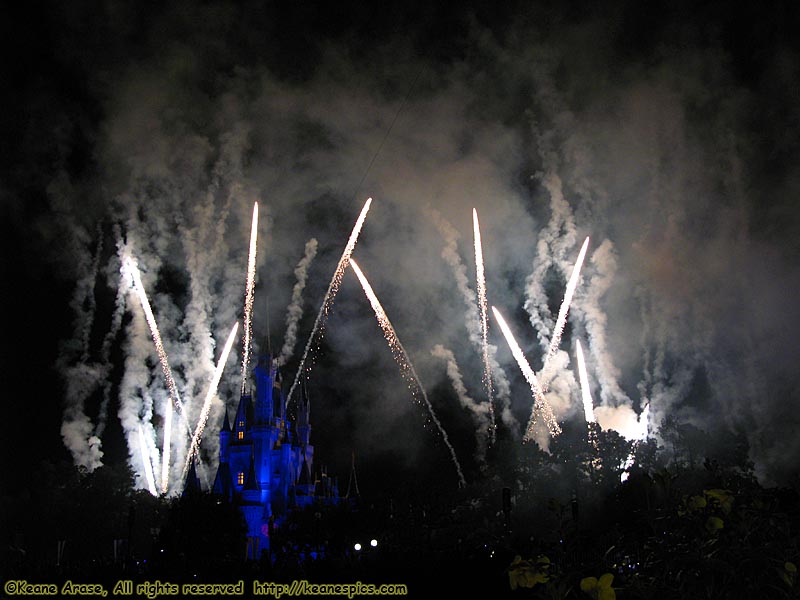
192	481
251	484
353	478
226	424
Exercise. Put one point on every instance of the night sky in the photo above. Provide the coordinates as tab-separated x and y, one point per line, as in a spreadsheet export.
670	135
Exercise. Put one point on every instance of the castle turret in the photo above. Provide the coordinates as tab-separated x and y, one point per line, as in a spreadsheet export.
265	373
242	422
225	439
192	485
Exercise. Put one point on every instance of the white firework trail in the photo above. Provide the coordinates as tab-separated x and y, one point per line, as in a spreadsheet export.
212	391
406	368
330	294
480	277
583	376
588	404
452	257
540	402
249	295
561	321
130	268
148	466
295	310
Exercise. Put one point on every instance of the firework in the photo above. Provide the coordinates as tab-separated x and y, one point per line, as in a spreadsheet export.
330	295
212	390
482	307
248	297
540	402
406	368
561	321
148	466
130	267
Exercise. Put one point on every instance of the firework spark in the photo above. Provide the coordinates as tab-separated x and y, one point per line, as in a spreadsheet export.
561	321
540	402
330	295
248	297
406	368
148	466
212	390
482	307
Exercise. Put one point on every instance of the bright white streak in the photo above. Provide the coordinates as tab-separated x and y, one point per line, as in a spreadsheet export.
212	391
540	401
406	368
480	276
249	295
148	466
637	433
561	321
330	295
586	394
129	266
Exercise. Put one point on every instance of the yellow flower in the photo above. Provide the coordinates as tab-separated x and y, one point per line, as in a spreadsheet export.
714	524
599	589
526	573
723	497
789	573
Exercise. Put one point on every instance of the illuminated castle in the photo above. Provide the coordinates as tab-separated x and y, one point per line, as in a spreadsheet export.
266	460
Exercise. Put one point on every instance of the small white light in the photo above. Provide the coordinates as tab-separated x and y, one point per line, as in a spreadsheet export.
357	547
373	543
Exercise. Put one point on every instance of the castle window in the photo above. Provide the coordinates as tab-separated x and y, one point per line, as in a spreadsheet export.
240	478
241	423
241	435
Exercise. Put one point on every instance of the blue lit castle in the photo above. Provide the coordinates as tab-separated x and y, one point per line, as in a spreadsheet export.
266	460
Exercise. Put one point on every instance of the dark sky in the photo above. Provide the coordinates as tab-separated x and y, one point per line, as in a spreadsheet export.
666	133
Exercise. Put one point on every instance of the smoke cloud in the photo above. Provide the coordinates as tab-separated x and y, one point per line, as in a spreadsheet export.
295	310
479	411
659	140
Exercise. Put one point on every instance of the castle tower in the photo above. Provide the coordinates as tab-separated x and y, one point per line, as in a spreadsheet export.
253	511
262	431
240	447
